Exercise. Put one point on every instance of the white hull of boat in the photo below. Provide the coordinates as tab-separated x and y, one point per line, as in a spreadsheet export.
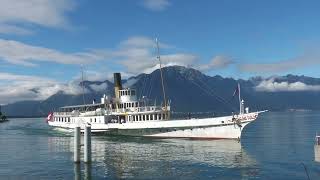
208	128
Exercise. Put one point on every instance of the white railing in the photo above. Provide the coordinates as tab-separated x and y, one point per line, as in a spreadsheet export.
63	113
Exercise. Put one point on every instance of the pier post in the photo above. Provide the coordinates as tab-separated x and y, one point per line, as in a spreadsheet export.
76	152
87	144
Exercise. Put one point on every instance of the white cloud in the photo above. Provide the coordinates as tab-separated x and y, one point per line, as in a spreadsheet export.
135	55
12	29
15	14
22	87
217	62
138	55
23	54
271	86
156	5
130	82
142	42
308	59
99	88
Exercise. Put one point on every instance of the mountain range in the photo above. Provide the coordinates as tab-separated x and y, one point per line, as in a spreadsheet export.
190	90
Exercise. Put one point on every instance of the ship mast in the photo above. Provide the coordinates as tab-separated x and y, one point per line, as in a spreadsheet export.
82	83
162	83
239	94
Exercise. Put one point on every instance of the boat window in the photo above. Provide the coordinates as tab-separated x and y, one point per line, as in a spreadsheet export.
68	119
126	92
137	104
148	116
144	117
151	117
90	120
95	120
133	93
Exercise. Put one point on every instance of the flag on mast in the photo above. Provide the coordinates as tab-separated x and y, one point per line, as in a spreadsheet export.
50	116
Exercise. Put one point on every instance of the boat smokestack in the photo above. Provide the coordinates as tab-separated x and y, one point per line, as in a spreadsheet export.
117	84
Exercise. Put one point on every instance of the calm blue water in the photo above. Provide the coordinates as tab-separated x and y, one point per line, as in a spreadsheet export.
276	146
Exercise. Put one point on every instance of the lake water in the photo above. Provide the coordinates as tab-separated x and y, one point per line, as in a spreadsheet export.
275	146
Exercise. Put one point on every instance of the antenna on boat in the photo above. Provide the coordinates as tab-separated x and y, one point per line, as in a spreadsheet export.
82	83
163	88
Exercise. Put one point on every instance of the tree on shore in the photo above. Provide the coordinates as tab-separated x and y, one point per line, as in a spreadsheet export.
3	117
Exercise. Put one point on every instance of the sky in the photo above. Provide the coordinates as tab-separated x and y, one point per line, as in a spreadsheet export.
44	44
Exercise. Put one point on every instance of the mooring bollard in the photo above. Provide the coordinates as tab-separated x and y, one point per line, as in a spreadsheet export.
76	153
87	144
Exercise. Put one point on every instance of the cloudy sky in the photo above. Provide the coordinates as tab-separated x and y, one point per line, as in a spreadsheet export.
44	43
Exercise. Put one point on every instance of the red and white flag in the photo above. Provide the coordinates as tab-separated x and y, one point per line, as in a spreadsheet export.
50	116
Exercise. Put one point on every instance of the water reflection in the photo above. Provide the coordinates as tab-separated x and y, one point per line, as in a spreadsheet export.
77	171
166	158
317	153
120	157
87	171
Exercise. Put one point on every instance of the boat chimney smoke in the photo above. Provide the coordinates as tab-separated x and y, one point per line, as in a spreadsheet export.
117	84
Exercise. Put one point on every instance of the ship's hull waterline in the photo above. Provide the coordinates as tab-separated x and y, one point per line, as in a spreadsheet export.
208	128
